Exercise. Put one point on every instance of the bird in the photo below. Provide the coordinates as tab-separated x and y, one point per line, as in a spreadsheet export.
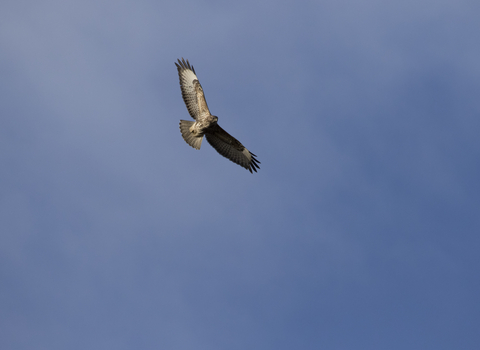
206	124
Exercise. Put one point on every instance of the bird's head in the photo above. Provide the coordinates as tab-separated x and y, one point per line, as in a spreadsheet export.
215	118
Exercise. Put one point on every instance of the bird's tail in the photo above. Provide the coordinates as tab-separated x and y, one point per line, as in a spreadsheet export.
193	140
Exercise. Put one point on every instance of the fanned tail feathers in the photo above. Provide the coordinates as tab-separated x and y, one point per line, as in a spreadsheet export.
194	141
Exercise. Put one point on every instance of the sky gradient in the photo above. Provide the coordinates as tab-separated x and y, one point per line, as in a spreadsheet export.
360	230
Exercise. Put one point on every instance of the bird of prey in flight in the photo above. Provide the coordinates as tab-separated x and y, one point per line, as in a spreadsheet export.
206	124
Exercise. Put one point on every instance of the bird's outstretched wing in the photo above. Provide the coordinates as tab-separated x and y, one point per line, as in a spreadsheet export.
231	148
192	91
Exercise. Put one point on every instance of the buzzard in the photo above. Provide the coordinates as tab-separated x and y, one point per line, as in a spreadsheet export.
206	124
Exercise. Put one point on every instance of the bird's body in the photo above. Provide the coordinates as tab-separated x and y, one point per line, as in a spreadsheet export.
206	124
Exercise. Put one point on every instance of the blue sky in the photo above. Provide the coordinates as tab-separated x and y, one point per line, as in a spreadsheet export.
360	231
